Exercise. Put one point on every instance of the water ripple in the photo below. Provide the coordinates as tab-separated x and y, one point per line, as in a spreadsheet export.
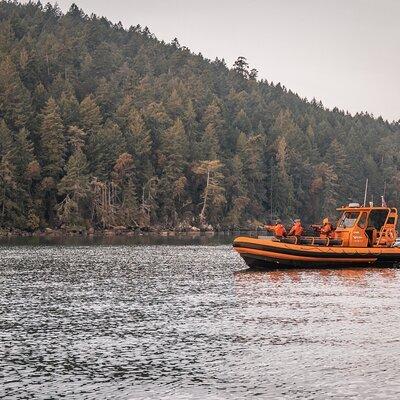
161	322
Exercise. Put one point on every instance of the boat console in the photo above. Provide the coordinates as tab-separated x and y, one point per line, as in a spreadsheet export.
361	226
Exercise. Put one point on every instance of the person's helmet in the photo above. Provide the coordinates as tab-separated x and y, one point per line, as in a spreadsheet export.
297	220
278	221
325	221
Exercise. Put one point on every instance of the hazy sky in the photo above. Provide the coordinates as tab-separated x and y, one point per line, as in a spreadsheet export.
343	52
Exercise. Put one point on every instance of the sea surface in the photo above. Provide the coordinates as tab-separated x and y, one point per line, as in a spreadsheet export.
182	318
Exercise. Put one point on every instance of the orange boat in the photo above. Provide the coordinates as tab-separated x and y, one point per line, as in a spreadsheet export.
364	237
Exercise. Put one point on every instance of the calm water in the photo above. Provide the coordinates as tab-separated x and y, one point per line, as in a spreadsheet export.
184	321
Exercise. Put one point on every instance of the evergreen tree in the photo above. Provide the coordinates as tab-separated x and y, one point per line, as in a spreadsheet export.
336	156
69	106
324	186
213	131
210	145
27	174
284	189
52	144
52	140
104	147
15	106
89	115
23	155
123	177
236	193
6	140
241	66
253	74
8	184
242	122
138	141
75	86
174	104
172	162
9	209
192	129
250	153
74	186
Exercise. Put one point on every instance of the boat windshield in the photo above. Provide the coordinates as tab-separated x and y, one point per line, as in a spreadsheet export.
348	219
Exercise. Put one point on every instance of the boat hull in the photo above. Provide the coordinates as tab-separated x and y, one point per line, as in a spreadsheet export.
269	254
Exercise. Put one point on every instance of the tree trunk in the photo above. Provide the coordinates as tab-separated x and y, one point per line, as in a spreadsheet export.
203	210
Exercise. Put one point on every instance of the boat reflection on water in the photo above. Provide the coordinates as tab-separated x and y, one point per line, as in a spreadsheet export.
358	276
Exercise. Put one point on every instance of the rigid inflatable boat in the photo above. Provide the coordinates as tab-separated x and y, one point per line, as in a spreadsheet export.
364	237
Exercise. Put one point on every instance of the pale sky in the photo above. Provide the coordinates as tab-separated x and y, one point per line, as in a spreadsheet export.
343	52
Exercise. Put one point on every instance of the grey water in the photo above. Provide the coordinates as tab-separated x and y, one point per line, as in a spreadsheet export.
182	318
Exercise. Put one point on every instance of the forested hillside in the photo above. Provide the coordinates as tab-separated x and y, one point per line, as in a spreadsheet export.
102	126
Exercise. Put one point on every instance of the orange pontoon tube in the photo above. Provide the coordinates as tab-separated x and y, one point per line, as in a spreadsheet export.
364	237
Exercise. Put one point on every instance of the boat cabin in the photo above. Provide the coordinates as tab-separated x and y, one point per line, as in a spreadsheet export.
367	226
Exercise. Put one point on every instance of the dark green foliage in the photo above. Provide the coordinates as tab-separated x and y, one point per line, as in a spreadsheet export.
101	126
52	140
15	103
74	186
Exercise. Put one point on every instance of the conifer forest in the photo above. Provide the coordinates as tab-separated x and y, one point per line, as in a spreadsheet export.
102	126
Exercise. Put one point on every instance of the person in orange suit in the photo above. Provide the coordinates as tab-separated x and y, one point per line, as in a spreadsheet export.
297	229
326	230
278	229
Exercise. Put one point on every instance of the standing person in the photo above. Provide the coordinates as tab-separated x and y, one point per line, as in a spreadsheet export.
278	229
297	229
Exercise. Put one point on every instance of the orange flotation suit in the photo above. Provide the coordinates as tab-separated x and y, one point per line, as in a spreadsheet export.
279	230
297	230
326	231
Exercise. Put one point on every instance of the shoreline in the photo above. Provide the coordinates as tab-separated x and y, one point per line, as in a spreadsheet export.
104	233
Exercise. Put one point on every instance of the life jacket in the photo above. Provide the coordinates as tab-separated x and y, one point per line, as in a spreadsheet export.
297	230
279	230
326	230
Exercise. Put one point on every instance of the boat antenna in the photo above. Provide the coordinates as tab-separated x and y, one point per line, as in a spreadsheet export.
366	192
